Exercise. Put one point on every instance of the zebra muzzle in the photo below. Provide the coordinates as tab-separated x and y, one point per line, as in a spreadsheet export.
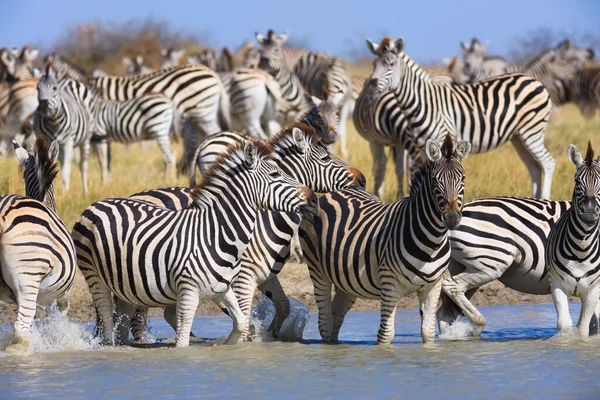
359	180
311	207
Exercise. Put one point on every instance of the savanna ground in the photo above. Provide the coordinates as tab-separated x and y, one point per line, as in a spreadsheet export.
500	172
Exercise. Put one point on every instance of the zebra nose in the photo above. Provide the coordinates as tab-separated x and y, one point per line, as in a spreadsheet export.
311	208
373	83
360	182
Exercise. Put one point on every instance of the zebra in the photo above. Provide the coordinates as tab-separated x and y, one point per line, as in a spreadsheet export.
585	90
197	94
17	65
381	122
478	66
487	113
65	114
65	67
18	99
37	259
573	246
188	253
500	238
135	66
326	77
219	61
171	57
301	154
370	249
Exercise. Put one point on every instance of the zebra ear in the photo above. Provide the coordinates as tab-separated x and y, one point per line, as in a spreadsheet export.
400	45
299	138
5	57
433	150
260	38
126	61
463	148
282	38
315	100
177	54
53	151
139	59
481	47
250	154
372	46
32	53
21	153
465	46
164	52
575	155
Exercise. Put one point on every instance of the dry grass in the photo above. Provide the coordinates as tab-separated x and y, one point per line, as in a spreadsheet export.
500	172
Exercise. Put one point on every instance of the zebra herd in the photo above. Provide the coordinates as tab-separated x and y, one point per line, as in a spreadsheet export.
231	235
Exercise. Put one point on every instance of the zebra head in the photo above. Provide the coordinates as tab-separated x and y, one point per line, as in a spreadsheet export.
586	193
571	53
206	57
251	58
39	170
455	70
388	70
474	57
269	50
447	177
49	102
323	117
9	61
135	66
171	57
307	159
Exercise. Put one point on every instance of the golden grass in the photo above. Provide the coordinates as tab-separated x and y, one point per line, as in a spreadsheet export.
500	172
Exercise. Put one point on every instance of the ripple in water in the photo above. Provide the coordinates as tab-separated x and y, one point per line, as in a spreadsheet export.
55	333
461	328
292	329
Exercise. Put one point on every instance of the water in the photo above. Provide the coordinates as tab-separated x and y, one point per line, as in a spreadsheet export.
517	357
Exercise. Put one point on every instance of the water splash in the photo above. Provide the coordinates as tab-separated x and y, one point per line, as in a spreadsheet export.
461	328
55	333
292	329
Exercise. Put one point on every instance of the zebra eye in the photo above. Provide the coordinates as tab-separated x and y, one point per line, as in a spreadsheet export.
326	157
275	174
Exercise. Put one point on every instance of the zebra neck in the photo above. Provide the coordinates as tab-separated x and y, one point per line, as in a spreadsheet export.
581	236
291	88
426	220
49	200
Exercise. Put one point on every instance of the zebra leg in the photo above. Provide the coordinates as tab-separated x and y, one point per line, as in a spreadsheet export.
83	164
273	290
342	303
63	303
124	312
341	131
187	303
379	163
244	286
322	289
230	303
588	307
537	159
65	155
561	303
168	156
296	252
399	158
429	297
139	325
391	293
102	151
594	321
26	293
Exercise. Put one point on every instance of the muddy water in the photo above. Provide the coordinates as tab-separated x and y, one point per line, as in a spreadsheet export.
518	356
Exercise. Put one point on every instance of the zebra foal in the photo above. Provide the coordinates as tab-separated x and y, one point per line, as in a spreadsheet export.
149	256
370	249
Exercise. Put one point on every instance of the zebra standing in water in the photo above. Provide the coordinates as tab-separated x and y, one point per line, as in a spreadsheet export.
302	155
37	255
186	254
489	113
573	249
65	114
370	249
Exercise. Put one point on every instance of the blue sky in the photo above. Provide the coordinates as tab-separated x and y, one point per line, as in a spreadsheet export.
432	28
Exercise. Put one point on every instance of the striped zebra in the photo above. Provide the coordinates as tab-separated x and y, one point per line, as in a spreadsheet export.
301	154
574	246
369	249
585	90
478	66
65	114
15	65
197	94
219	61
171	57
187	254
135	66
18	99
380	121
487	114
500	238
37	254
326	77
64	67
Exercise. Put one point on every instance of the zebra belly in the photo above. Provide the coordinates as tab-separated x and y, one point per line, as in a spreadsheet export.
576	282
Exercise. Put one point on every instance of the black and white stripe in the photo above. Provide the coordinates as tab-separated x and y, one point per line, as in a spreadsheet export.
573	251
488	114
149	256
38	256
369	249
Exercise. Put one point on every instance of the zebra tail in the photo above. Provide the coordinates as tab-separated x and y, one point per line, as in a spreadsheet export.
224	113
176	126
193	167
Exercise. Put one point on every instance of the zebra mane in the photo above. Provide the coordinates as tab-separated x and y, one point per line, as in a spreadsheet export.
415	67
41	168
285	133
423	169
589	155
234	152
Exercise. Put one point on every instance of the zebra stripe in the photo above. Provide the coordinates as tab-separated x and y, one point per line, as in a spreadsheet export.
500	238
38	255
585	91
487	114
369	249
300	153
150	256
573	250
65	67
18	100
